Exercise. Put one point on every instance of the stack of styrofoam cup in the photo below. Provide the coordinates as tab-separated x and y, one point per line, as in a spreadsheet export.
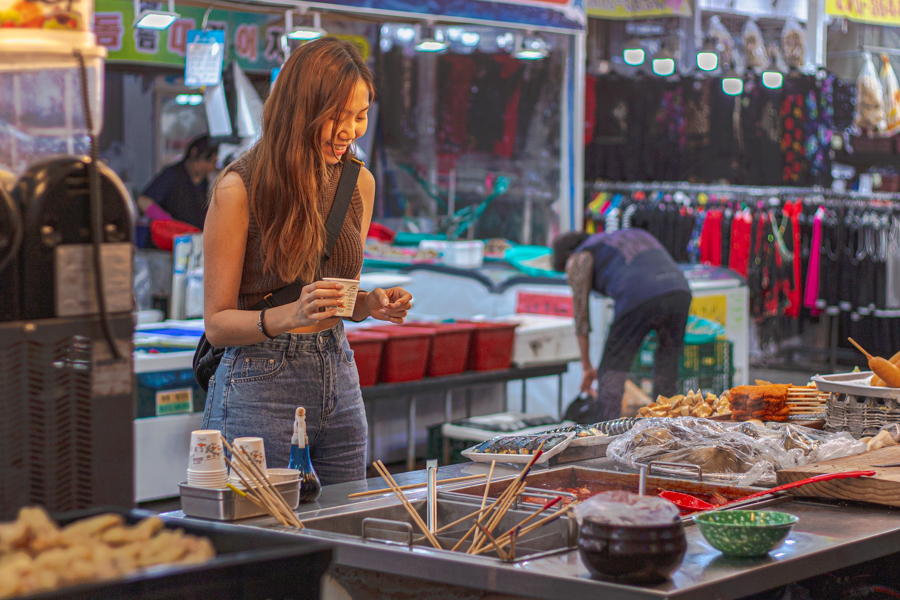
256	450
206	461
282	475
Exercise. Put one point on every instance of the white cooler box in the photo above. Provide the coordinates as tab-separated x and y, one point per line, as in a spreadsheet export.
543	339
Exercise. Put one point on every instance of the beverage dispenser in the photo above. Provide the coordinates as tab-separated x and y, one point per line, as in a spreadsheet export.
66	321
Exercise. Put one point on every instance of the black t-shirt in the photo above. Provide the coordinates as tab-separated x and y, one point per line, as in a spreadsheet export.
176	194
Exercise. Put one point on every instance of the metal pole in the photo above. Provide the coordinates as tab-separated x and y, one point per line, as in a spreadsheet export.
524	395
817	33
411	434
834	343
559	396
468	402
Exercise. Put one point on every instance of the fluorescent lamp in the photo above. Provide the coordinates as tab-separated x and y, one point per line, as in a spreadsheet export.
406	34
708	58
530	48
154	19
470	39
732	84
772	79
434	43
663	63
303	33
634	54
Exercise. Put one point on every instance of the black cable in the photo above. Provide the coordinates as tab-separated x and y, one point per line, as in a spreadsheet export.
17	227
96	210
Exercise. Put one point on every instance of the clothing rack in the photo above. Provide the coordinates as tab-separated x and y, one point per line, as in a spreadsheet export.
875	207
737	190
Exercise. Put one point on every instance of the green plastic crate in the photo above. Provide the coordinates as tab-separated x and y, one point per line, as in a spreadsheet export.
707	367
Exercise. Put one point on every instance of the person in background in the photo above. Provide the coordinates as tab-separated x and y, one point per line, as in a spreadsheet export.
179	191
650	293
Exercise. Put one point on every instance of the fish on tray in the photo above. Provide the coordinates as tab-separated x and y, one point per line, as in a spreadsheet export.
614	427
519	444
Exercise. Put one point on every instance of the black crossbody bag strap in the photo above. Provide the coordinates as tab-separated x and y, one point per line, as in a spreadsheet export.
207	357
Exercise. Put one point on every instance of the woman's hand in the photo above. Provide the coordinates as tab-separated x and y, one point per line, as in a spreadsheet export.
318	301
389	305
587	380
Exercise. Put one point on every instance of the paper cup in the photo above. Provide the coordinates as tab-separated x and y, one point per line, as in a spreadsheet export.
206	452
348	294
255	448
208	479
282	475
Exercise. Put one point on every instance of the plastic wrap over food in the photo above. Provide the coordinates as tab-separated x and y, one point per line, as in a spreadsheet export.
891	91
625	508
735	453
869	98
725	44
793	44
754	46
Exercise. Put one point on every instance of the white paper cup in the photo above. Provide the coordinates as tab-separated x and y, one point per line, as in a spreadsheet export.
206	452
208	479
282	475
255	448
348	295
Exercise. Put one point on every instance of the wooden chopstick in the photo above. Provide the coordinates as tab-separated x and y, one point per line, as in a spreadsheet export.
504	540
257	497
487	489
413	486
406	504
488	535
264	487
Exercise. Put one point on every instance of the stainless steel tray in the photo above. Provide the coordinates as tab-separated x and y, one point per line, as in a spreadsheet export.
854	384
225	505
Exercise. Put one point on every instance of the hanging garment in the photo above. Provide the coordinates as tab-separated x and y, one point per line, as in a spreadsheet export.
892	276
811	292
792	213
741	229
590	107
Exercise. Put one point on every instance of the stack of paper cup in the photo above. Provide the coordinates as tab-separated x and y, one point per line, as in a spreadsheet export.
206	460
348	295
282	475
256	450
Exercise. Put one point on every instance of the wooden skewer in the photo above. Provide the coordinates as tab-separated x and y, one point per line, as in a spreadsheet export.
486	512
488	535
255	474
504	540
379	466
414	486
487	488
512	546
454	523
258	498
525	522
860	348
263	482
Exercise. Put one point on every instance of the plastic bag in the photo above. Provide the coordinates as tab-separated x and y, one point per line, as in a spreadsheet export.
754	47
869	98
732	453
625	508
725	45
891	93
793	44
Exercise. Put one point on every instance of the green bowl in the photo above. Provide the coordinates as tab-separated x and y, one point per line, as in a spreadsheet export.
744	532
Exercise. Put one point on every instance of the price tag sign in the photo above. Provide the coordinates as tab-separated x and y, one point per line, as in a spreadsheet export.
204	57
174	402
544	304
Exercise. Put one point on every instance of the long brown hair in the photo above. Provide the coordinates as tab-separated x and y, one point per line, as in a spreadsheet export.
314	85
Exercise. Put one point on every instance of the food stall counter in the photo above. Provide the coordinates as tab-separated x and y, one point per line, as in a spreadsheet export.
827	537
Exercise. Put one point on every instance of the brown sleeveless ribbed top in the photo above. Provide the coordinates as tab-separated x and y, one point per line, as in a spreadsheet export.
346	259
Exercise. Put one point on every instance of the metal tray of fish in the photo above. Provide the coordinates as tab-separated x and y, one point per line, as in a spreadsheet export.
514	453
598	433
854	384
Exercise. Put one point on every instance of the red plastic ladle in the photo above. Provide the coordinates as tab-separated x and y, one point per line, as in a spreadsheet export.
689	502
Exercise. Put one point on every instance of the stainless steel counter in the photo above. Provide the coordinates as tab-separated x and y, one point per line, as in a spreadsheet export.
827	537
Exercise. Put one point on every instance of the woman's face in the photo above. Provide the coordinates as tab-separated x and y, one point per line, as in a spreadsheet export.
349	126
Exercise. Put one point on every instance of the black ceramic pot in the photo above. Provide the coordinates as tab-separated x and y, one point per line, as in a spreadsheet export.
632	553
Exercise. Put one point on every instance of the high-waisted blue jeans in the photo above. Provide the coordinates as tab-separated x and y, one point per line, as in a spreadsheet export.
256	390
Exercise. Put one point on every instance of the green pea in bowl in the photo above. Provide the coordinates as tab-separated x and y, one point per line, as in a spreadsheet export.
744	532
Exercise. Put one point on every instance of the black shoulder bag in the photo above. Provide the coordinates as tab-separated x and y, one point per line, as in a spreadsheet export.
207	357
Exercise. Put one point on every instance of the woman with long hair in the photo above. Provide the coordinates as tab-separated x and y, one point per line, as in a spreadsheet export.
265	230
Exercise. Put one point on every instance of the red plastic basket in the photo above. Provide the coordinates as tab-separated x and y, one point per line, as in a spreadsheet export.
450	349
405	355
491	348
368	348
163	233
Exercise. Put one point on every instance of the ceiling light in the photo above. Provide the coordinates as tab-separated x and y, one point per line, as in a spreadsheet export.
435	43
303	32
455	33
772	79
154	19
505	40
663	63
406	34
470	39
732	84
708	58
634	54
530	48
